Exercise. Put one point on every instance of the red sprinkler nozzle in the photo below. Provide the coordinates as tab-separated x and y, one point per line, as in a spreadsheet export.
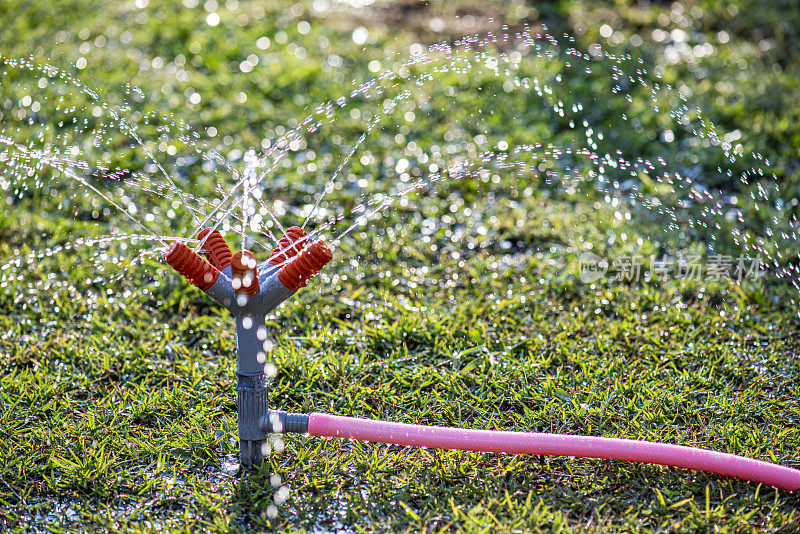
305	265
191	265
216	249
289	245
244	269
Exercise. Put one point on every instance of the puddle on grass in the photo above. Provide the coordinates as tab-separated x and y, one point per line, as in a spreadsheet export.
154	512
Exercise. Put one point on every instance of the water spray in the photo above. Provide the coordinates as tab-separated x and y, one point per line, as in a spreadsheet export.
233	281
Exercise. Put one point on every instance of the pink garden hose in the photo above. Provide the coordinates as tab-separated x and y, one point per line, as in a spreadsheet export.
334	426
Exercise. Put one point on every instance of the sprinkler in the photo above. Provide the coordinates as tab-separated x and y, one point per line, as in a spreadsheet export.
233	281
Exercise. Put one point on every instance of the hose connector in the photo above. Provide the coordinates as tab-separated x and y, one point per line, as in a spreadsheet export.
282	422
191	265
305	265
244	271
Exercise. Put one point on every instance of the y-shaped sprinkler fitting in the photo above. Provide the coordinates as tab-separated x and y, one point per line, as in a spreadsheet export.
233	281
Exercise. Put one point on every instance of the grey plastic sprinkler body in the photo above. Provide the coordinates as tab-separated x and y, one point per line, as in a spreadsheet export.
250	313
235	284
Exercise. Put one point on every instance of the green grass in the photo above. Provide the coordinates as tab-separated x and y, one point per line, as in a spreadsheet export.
461	306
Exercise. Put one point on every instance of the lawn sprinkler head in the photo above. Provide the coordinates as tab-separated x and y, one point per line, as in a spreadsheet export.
233	281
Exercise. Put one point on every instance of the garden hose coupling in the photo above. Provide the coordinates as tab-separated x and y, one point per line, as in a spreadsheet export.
283	422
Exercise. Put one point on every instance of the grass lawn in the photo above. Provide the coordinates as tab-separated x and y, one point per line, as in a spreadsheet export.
459	304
